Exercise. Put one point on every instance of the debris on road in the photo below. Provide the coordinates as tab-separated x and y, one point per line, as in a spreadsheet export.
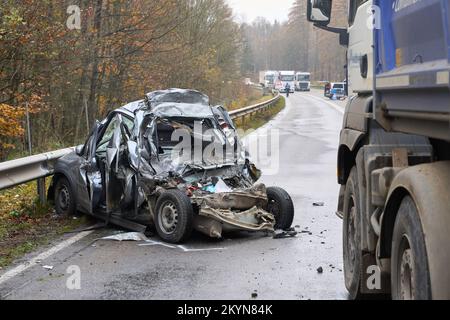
131	236
254	295
319	204
320	270
281	234
48	267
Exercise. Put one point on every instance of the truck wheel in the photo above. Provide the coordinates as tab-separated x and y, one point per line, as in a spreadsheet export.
65	204
174	216
352	237
281	206
410	278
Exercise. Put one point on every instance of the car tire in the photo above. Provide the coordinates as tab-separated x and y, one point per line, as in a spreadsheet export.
281	206
174	216
410	279
65	203
352	237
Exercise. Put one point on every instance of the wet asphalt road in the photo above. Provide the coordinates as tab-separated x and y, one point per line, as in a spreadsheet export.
237	266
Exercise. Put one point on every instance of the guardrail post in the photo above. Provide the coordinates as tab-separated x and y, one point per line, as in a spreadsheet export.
42	191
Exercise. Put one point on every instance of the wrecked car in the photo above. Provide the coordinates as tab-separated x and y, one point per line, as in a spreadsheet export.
170	161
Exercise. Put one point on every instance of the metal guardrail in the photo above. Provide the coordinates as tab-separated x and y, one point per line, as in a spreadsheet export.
20	171
235	114
38	167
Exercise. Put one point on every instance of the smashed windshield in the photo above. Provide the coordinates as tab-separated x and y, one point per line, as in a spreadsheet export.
180	96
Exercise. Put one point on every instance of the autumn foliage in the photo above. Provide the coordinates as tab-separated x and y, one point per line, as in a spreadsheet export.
123	49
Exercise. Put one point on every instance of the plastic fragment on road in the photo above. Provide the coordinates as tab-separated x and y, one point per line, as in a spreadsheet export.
48	267
130	236
281	234
319	204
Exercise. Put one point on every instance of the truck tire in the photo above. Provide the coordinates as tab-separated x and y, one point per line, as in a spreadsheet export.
174	216
410	279
65	203
352	237
281	206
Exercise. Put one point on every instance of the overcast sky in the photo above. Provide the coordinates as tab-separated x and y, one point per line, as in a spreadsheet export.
248	10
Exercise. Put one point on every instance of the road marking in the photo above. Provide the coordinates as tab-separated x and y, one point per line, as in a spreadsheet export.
150	243
23	267
335	106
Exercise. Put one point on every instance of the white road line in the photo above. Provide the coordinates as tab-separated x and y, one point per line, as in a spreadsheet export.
335	106
23	267
199	250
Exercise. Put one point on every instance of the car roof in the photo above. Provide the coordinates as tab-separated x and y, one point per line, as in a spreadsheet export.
175	95
172	102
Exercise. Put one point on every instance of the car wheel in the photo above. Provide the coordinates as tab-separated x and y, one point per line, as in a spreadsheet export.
174	216
352	237
64	198
410	278
281	206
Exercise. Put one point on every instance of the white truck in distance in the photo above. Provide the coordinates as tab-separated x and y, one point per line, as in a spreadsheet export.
286	77
303	81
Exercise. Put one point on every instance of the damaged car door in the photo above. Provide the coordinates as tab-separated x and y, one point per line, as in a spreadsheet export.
118	180
89	180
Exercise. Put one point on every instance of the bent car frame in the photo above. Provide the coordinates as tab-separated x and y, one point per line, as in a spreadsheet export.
170	161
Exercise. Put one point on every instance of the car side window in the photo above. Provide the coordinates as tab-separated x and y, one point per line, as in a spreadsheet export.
128	123
107	135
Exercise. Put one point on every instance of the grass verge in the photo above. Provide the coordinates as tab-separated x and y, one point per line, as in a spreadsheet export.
25	224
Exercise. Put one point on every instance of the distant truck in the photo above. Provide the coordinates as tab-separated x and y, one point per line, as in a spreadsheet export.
303	81
268	78
286	77
394	152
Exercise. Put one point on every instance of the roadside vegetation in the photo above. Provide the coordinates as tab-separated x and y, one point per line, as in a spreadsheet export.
26	224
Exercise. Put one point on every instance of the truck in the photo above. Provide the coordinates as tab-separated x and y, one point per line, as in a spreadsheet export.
268	78
394	152
271	77
303	81
286	77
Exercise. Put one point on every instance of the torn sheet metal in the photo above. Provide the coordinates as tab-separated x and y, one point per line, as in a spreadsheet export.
236	200
254	219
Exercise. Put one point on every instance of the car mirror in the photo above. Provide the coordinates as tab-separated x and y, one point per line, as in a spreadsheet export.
79	150
319	11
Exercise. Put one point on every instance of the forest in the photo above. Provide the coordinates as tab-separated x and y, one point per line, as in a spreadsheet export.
70	62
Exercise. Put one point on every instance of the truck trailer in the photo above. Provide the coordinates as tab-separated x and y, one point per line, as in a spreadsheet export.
394	152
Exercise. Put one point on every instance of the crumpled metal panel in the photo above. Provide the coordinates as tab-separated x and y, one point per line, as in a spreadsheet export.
254	219
236	200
